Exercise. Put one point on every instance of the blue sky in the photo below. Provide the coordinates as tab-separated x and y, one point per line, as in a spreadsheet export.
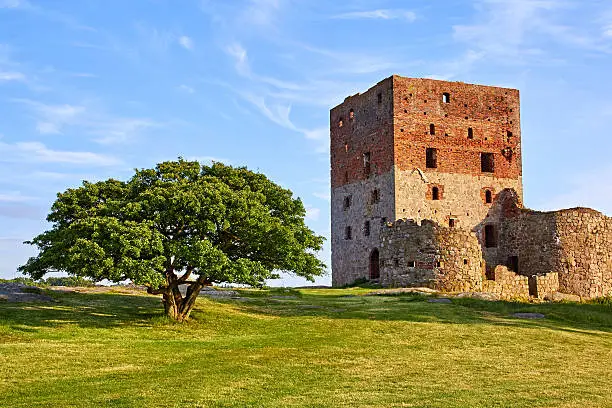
91	89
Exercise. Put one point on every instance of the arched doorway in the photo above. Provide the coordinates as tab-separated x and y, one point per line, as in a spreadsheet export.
374	264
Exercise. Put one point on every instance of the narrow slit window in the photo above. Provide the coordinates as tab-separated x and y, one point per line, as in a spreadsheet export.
431	158
446	97
348	234
379	97
367	167
451	223
488	197
435	193
487	162
347	202
340	122
470	133
432	129
375	196
366	228
351	114
346	178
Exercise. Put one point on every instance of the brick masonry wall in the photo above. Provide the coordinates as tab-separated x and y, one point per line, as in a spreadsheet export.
492	113
367	129
430	255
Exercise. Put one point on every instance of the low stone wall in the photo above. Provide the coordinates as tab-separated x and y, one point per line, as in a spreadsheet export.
428	255
544	286
507	284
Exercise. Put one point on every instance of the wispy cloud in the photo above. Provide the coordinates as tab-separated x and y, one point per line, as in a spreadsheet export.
12	76
14	4
104	127
186	42
186	88
237	51
36	152
14	197
516	31
312	213
380	14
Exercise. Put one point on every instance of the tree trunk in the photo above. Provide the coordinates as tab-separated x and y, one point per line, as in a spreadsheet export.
178	307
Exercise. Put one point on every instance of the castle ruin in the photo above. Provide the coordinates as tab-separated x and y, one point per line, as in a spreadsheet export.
426	182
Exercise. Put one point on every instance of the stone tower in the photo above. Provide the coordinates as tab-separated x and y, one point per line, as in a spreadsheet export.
418	149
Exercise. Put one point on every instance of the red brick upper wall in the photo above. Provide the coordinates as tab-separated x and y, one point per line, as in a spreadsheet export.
369	130
392	121
490	112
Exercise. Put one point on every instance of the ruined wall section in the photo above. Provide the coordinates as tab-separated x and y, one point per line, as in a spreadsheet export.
361	125
461	121
575	243
430	255
507	285
585	261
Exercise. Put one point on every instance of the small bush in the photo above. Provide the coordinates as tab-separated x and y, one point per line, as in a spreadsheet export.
606	301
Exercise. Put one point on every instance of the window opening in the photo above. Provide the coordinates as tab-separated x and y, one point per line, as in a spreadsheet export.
411	264
487	162
374	264
348	234
513	263
347	202
396	262
379	96
488	197
346	177
446	97
451	223
366	228
431	158
470	133
351	114
435	193
383	221
432	129
490	236
366	163
340	122
375	196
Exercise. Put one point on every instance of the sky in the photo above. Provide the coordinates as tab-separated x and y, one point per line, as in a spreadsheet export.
91	89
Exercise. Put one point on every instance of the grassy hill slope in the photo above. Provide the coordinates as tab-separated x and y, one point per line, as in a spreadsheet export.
306	348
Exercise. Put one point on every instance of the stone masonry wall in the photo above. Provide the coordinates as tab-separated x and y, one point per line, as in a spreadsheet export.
350	257
430	255
585	261
507	284
544	286
361	124
576	243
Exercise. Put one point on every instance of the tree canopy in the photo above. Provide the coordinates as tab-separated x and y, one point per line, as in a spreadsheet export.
179	223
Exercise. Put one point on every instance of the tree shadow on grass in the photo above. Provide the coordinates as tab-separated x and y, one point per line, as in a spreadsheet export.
576	317
94	310
110	310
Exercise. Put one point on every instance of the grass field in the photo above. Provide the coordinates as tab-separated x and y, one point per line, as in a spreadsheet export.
310	348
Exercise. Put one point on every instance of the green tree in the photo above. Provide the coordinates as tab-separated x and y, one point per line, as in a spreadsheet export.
180	223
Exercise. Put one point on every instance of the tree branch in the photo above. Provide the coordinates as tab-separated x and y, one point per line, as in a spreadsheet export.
186	275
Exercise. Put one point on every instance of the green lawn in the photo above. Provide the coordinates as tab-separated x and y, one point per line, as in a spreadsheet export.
115	350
